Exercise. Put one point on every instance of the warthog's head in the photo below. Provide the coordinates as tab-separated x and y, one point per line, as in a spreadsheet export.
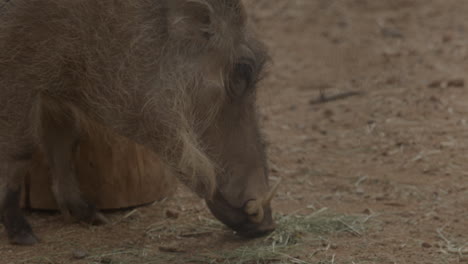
216	35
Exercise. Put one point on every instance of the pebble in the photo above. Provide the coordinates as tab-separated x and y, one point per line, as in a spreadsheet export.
456	83
106	260
80	254
426	245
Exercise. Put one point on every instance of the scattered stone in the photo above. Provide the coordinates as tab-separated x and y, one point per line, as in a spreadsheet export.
454	83
391	33
447	38
79	254
360	191
458	83
106	260
426	245
435	84
328	113
380	198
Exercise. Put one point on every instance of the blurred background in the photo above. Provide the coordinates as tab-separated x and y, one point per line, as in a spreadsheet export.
365	110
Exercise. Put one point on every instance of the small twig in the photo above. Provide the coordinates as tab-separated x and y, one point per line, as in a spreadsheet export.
325	99
439	232
460	251
369	217
319	211
296	260
130	213
451	248
159	201
196	234
351	228
361	179
170	249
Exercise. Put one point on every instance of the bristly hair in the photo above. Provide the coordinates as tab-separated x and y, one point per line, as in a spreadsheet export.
128	65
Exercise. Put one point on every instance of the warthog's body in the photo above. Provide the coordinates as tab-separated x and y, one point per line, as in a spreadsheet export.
177	76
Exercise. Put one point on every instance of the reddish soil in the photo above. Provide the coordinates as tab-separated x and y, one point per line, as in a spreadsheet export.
365	110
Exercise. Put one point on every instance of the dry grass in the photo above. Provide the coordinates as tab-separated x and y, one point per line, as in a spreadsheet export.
284	246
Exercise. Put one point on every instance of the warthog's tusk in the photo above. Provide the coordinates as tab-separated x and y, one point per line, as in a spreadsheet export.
272	193
254	210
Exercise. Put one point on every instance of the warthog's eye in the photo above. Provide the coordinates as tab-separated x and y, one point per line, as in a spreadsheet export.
242	79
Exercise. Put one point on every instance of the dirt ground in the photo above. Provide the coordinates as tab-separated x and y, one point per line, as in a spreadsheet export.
365	110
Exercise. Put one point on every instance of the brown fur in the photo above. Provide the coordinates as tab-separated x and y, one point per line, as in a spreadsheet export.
156	71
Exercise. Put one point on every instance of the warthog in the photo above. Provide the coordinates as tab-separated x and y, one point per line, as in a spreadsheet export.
177	76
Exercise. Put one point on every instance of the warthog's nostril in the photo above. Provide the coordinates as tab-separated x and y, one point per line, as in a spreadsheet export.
254	210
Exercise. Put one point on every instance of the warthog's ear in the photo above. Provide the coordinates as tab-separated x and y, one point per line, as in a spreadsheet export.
191	19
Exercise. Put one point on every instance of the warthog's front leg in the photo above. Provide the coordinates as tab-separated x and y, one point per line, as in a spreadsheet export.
59	135
17	227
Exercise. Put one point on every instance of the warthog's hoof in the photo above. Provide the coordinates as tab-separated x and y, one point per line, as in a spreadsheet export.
84	212
24	238
99	219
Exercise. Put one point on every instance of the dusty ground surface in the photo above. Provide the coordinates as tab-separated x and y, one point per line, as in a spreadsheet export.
365	109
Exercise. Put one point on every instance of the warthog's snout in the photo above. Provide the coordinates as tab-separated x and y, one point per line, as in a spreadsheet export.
238	220
252	230
254	219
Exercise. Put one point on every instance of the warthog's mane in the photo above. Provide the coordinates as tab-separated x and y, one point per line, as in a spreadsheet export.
118	63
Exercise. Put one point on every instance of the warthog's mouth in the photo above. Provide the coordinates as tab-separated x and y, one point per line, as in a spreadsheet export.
238	220
253	230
